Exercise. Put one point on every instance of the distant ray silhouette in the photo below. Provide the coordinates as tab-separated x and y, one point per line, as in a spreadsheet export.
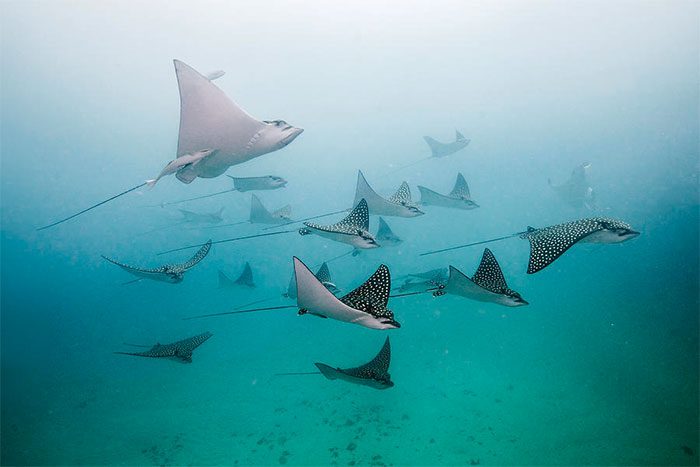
172	273
425	281
398	205
266	182
576	191
323	275
458	198
245	279
180	350
385	236
259	214
438	149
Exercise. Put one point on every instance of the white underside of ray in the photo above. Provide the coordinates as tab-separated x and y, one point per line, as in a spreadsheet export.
460	284
209	119
429	197
313	296
142	273
353	240
376	204
156	276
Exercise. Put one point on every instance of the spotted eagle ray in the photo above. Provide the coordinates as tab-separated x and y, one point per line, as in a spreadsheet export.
445	149
486	285
209	119
385	235
260	215
365	306
398	205
323	275
437	274
576	191
180	351
242	184
202	218
353	230
245	279
172	273
425	281
439	150
458	198
374	374
268	182
549	243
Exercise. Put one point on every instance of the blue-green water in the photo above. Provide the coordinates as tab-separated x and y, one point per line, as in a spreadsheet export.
601	368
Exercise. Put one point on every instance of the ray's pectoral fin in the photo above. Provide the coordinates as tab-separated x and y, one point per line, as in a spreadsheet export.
187	174
327	371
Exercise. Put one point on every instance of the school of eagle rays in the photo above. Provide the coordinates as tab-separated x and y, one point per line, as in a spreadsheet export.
215	134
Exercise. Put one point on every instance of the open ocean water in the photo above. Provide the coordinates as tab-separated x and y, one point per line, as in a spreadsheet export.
601	368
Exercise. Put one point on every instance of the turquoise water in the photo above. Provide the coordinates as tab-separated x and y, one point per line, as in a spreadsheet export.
600	369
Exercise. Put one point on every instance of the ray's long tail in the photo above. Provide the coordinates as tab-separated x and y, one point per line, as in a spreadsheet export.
94	206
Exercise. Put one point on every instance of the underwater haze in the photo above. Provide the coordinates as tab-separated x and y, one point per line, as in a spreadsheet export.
601	368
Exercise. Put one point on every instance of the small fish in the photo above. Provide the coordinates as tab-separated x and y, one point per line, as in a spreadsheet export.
180	351
180	163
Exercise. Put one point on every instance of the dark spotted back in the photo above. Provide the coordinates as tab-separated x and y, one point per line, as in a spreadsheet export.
402	195
377	368
199	256
549	243
373	296
180	349
358	219
324	274
384	231
489	274
461	189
